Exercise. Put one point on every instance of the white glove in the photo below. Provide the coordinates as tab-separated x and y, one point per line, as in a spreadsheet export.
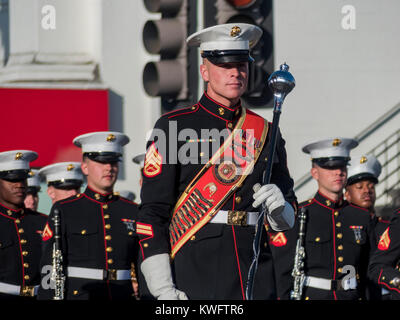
280	213
157	272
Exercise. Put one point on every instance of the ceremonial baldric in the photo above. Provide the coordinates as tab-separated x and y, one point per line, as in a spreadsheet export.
218	179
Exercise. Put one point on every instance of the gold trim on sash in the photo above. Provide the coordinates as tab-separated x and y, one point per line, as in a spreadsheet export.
193	210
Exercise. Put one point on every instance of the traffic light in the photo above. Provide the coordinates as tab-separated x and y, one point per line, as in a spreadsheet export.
168	77
257	12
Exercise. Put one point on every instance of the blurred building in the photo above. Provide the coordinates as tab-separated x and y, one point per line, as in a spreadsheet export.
68	67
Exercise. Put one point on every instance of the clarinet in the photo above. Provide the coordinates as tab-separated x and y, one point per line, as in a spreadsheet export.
298	268
57	274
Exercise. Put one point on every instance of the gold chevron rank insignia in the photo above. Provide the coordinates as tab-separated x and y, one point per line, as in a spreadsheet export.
278	240
153	162
384	240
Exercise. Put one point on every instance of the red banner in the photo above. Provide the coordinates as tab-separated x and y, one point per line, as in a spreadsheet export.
47	120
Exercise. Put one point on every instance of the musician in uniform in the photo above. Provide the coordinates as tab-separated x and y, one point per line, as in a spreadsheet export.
20	229
98	237
383	268
363	174
198	207
339	236
64	179
32	192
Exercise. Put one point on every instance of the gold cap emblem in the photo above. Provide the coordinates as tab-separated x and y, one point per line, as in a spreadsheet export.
31	173
363	159
235	31
70	167
336	142
18	156
111	137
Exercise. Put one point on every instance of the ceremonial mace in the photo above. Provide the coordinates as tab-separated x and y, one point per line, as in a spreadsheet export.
281	82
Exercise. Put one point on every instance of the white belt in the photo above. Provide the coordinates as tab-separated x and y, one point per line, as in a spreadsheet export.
235	217
328	284
29	291
98	274
385	291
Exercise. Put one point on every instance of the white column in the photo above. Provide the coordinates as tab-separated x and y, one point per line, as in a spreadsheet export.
53	40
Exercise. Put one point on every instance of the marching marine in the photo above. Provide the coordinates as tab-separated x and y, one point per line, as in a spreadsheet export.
64	179
198	205
363	174
20	229
339	236
32	197
98	238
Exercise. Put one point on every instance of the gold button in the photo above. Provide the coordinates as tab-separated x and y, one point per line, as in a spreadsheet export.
221	111
26	265
237	111
338	224
97	196
145	245
26	277
83	231
78	195
193	238
130	233
193	107
75	292
340	259
340	236
108	226
17	221
238	199
106	216
336	213
328	203
23	241
317	239
358	241
105	206
109	249
24	253
108	237
110	261
383	278
9	212
307	298
340	270
230	125
21	230
340	247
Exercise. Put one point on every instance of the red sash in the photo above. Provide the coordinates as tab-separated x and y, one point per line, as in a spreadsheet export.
218	179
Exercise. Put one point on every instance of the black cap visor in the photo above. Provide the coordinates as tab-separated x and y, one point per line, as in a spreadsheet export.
66	184
332	162
32	190
361	177
14	175
227	56
103	157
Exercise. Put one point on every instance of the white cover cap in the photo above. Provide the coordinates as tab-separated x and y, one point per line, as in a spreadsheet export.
34	178
363	167
105	141
332	151
16	160
230	36
62	171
